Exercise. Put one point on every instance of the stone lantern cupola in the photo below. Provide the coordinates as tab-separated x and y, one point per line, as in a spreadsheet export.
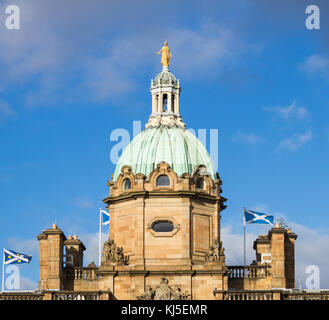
165	90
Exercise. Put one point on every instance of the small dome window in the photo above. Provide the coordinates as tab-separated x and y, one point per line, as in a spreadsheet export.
200	184
163	226
163	181
126	184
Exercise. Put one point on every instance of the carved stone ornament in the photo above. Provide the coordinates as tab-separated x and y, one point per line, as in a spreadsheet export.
92	265
216	252
164	292
112	253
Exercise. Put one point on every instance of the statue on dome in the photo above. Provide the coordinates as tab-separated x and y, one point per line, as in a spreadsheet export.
165	55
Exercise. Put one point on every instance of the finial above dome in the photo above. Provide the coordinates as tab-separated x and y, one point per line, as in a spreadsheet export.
165	56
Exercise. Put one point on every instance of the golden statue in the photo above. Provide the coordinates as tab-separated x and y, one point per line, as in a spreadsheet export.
166	55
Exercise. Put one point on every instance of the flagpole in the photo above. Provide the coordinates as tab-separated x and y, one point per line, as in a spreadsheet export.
100	237
244	240
3	270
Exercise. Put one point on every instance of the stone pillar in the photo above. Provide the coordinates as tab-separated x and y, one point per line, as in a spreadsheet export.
177	103
51	258
74	251
277	235
160	102
47	296
170	104
154	103
43	261
290	259
283	258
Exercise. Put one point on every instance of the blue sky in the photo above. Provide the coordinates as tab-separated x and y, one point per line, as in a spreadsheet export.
75	72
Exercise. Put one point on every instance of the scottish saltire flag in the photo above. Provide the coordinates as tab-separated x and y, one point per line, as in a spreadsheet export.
12	257
257	217
105	217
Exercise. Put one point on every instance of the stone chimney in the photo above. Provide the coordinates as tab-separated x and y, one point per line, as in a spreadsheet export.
278	246
51	258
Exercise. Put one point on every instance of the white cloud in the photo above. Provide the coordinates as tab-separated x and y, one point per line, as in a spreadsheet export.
194	51
27	284
296	141
90	240
26	246
311	249
248	138
316	65
96	61
233	244
292	111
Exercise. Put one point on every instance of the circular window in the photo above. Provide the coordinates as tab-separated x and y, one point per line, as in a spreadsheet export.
126	184
163	181
163	226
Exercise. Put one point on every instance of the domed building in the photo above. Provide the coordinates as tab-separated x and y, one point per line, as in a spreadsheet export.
165	202
165	207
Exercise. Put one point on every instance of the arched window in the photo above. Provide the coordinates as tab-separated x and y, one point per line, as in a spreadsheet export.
163	226
163	181
200	184
165	102
126	184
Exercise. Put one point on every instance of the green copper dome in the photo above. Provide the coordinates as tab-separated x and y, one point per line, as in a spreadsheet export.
165	77
172	144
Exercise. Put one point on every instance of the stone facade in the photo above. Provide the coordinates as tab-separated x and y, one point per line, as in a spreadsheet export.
187	261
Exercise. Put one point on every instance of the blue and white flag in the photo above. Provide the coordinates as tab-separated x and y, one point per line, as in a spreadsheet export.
11	257
257	217
105	217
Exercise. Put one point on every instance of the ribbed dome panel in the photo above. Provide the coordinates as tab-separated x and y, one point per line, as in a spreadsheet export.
174	145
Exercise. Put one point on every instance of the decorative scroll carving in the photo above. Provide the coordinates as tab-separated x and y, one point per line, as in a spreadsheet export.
112	253
216	252
164	292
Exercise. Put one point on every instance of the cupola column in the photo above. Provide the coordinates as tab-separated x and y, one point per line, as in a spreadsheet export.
154	103
169	97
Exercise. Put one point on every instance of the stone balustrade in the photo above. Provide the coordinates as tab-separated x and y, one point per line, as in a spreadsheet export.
248	272
80	273
248	295
234	295
73	295
21	296
57	295
304	295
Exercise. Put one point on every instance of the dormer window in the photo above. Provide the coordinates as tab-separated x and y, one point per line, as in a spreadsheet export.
126	184
163	181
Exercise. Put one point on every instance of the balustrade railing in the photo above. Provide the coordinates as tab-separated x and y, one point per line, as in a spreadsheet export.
80	273
226	295
248	272
20	296
76	296
324	295
248	295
